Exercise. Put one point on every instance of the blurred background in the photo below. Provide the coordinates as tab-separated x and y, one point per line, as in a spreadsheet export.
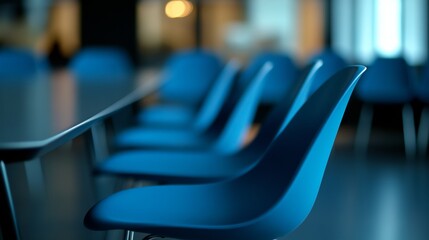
151	29
377	181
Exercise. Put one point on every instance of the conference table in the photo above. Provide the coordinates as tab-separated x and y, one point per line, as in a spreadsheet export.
40	113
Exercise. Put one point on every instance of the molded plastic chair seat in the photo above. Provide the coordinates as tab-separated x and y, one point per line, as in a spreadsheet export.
184	116
176	167
101	63
175	116
16	63
284	74
388	81
332	63
227	139
267	202
208	166
188	77
162	138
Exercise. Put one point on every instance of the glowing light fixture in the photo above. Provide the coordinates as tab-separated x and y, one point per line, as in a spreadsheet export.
388	27
178	8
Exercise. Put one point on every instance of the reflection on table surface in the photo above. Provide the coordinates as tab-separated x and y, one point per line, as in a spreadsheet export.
37	108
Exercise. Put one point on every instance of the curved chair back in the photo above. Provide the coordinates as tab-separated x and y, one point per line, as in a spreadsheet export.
283	112
241	117
332	63
188	76
288	176
386	81
284	74
216	97
20	63
421	87
102	63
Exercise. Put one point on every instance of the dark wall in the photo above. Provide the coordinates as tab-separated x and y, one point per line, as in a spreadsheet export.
328	23
109	23
16	7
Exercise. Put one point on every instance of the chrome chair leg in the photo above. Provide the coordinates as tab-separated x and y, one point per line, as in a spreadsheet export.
409	131
363	131
423	133
35	178
99	142
129	235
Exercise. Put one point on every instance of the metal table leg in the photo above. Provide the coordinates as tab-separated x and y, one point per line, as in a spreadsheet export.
9	225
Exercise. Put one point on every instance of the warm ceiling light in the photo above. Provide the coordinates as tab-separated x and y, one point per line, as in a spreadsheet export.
178	8
189	8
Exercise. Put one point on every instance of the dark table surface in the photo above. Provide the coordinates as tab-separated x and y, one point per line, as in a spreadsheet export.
40	113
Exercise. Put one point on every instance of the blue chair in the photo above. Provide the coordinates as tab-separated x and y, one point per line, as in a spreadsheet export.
107	67
182	117
102	63
284	74
207	166
332	63
421	89
21	63
187	77
267	202
387	81
224	138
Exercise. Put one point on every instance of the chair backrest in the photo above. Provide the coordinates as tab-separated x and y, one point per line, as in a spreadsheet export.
102	63
284	111
188	76
284	74
20	63
288	177
332	62
216	97
421	87
230	138
387	81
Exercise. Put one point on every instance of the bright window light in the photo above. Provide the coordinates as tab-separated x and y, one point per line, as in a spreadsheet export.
388	27
415	31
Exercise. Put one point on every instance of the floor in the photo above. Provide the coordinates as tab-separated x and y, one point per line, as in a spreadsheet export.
379	196
383	197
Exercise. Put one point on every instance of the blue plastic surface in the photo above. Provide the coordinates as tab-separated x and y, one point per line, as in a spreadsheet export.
207	166
21	64
102	63
176	116
227	139
421	85
188	77
332	63
284	74
388	80
167	115
269	201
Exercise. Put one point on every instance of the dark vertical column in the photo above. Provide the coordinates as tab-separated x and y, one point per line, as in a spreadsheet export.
109	23
198	23
328	23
